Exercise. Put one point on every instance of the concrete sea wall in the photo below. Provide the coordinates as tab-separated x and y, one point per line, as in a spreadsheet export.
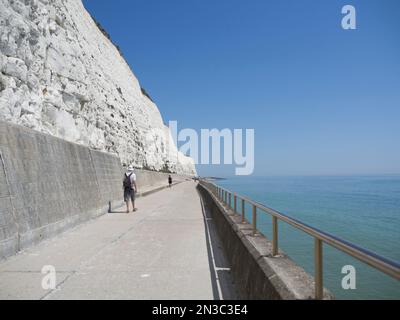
48	185
257	274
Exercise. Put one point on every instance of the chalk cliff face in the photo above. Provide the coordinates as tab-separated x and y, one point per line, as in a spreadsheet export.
60	75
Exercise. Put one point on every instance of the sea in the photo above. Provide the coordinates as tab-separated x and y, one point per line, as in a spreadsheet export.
364	210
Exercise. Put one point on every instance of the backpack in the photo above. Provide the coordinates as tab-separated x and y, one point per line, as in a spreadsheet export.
127	181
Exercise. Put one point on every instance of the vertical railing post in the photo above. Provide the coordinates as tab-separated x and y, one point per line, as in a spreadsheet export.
318	277
230	200
254	220
234	203
274	236
243	217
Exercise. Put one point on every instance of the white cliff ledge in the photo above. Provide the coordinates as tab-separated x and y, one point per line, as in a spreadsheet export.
60	75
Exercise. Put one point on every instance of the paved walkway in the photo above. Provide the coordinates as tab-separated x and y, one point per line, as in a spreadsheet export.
165	250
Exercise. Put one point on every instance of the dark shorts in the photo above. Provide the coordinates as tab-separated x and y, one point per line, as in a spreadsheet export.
129	194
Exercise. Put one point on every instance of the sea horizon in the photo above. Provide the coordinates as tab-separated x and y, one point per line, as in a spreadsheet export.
302	175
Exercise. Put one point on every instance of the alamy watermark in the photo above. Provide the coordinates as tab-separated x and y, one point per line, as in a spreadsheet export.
349	280
206	146
215	146
349	21
49	280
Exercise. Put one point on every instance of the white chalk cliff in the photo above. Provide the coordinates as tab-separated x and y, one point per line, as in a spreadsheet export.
59	74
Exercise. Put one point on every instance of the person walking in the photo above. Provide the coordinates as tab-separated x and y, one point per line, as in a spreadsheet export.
130	188
170	181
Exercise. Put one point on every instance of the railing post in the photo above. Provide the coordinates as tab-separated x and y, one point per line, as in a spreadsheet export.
318	277
230	200
254	220
243	217
234	203
274	236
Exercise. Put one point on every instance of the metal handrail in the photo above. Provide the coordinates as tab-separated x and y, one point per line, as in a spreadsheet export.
376	261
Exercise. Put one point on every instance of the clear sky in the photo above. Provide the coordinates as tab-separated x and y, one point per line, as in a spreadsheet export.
322	100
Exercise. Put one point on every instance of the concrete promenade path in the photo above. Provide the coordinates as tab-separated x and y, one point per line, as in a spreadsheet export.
168	249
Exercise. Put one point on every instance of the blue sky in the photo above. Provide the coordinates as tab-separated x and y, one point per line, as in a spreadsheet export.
322	100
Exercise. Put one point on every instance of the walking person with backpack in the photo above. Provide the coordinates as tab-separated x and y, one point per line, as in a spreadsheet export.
170	181
130	188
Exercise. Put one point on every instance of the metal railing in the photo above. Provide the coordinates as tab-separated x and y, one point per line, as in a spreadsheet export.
374	260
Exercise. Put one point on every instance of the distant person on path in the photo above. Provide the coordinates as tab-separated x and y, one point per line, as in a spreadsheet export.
169	181
130	188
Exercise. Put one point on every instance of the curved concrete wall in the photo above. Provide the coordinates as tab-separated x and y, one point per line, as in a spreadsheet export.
48	185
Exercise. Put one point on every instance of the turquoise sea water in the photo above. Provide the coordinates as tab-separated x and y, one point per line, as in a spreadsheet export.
362	209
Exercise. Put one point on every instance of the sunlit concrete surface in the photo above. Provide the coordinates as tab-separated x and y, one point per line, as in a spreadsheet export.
165	250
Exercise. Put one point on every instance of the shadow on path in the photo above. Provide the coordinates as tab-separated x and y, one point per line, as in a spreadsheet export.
119	211
221	278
